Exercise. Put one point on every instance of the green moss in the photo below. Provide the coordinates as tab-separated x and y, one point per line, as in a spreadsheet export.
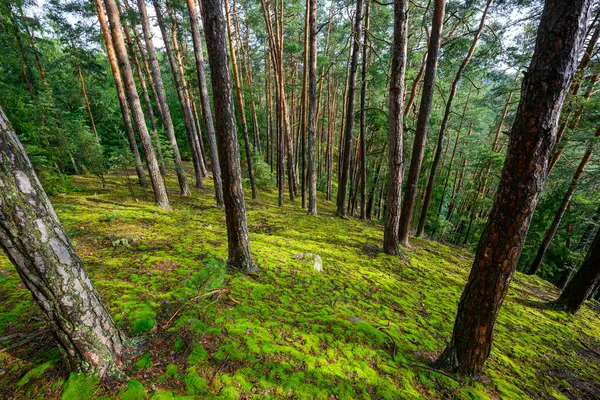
144	362
194	383
36	373
354	330
133	391
80	387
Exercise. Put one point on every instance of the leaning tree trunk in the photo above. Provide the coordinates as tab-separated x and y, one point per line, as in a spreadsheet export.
349	126
229	152
559	41
163	106
158	185
549	235
395	117
312	107
35	242
114	66
584	282
205	102
186	110
418	151
440	143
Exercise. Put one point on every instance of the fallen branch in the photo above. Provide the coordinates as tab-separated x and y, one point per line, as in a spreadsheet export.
218	292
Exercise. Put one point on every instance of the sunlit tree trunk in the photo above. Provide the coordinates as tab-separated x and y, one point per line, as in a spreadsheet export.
158	185
114	66
163	106
149	110
186	110
559	41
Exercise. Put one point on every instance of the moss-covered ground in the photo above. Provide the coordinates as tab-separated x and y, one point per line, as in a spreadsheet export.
365	327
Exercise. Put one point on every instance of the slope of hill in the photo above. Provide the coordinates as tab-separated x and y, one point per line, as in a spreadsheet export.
367	326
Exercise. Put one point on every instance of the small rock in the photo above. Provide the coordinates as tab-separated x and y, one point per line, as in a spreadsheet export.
318	262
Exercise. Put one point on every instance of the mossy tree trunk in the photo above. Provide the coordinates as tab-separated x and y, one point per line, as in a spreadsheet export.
229	152
559	42
35	242
582	286
391	239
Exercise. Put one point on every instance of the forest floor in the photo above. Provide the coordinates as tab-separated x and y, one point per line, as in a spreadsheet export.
367	326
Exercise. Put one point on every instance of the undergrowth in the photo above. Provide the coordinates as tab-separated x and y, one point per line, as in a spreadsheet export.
367	326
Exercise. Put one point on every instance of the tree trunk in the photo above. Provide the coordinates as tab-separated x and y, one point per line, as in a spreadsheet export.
446	118
37	245
112	60
151	117
418	150
363	104
312	107
391	240
349	125
186	110
241	103
163	106
87	103
158	185
549	235
559	41
584	282
229	153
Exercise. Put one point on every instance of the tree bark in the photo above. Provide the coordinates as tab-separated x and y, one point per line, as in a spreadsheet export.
559	41
349	125
418	150
391	239
312	107
114	66
584	282
186	110
363	104
35	242
229	154
158	185
241	103
205	102
151	117
446	118
549	235
163	106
